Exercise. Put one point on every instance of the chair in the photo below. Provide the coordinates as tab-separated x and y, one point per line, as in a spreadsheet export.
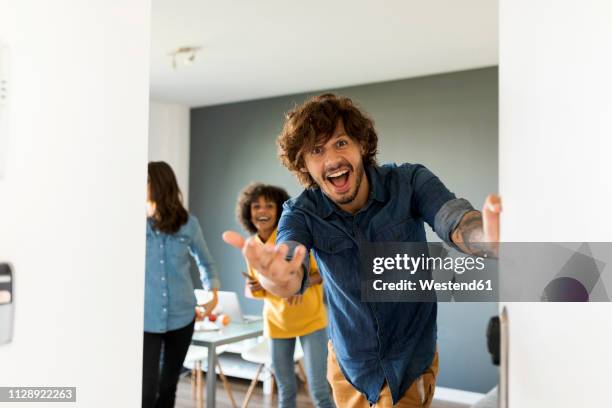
260	354
195	360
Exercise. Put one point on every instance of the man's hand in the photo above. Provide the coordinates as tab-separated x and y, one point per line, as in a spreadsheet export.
277	275
491	211
478	233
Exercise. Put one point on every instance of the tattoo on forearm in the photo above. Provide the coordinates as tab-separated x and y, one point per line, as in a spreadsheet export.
470	228
469	234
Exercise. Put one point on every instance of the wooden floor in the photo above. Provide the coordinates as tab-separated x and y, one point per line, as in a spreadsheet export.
239	389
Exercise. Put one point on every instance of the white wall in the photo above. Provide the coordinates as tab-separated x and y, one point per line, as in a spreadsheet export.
555	179
169	140
72	202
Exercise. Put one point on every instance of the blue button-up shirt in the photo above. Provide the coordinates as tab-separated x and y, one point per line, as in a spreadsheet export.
375	342
169	292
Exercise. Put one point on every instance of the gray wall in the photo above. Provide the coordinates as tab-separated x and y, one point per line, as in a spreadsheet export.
447	122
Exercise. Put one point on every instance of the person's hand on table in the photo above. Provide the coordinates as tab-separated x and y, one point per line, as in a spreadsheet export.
204	310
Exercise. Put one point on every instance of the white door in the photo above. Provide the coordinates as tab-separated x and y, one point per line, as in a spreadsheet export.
556	182
72	196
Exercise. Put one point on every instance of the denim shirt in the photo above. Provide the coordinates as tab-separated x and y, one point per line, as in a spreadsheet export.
374	342
169	292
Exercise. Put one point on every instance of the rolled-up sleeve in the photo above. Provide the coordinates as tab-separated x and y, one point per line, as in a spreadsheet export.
449	216
293	232
439	207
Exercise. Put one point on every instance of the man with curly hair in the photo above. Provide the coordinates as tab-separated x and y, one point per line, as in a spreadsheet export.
380	353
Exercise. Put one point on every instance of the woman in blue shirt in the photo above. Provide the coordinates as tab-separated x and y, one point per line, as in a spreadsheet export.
173	236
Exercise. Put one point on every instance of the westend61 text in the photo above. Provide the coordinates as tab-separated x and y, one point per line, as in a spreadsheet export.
430	284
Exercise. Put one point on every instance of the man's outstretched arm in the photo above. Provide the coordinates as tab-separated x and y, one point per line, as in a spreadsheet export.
478	232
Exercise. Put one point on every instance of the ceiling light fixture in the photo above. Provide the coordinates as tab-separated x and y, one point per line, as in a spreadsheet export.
186	54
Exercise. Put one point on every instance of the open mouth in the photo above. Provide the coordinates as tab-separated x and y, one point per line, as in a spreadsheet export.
340	180
263	219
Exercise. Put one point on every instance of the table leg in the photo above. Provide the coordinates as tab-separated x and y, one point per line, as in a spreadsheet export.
211	377
199	385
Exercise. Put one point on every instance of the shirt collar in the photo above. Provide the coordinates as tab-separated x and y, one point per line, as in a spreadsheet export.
378	191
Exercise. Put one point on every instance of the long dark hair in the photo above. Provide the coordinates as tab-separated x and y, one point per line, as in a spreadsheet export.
251	193
165	193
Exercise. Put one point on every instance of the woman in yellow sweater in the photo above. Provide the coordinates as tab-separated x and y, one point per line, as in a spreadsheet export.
258	210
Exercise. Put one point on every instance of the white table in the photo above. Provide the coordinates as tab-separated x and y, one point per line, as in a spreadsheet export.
232	333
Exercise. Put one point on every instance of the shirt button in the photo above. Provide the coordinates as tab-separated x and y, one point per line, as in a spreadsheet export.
161	246
161	262
163	278
165	310
164	294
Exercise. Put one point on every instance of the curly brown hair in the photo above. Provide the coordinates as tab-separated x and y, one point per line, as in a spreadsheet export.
251	193
314	122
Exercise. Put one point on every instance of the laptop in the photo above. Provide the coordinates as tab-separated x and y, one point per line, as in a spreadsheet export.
228	304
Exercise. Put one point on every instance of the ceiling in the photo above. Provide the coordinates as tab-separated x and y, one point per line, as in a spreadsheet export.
262	48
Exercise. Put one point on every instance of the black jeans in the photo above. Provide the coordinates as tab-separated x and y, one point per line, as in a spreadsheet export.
159	382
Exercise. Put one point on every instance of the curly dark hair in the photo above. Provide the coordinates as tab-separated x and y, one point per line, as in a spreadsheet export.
314	122
251	193
165	192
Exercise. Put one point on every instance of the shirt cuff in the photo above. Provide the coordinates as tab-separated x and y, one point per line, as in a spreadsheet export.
449	216
305	263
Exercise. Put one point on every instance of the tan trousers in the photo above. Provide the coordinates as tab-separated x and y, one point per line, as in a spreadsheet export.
419	395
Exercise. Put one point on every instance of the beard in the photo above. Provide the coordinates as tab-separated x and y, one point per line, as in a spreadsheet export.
350	196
